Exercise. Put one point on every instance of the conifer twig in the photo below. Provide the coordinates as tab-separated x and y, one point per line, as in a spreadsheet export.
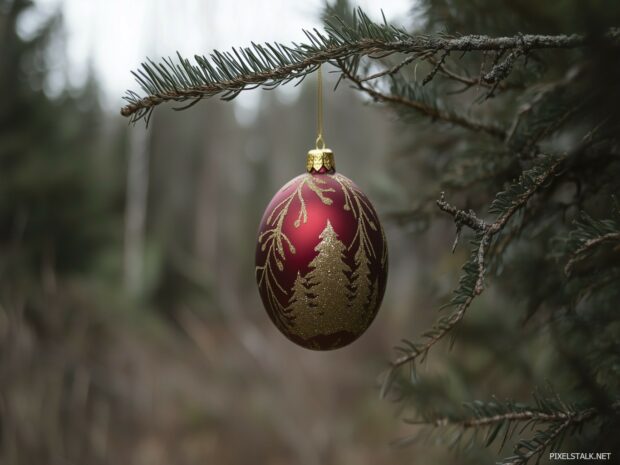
468	81
269	65
393	70
502	419
587	246
545	439
461	218
527	415
427	110
501	221
507	203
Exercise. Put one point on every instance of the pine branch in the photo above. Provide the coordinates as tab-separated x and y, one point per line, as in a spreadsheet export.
501	70
535	447
588	235
521	416
588	246
506	204
268	65
461	218
501	420
393	70
469	81
425	109
549	108
547	408
566	418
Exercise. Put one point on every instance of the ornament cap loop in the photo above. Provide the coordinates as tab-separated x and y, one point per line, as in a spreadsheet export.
320	161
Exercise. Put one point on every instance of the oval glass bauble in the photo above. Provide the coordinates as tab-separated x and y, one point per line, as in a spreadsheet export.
321	258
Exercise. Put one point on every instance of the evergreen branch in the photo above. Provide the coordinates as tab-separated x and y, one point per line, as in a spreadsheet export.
588	235
550	107
547	409
471	82
413	352
438	65
271	64
519	416
425	109
461	218
526	449
552	437
587	247
506	204
439	330
500	71
393	70
551	128
502	420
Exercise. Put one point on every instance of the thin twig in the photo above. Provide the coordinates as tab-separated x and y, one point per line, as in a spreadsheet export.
501	70
461	218
436	68
470	82
501	221
393	70
447	325
528	415
587	246
427	110
545	90
541	446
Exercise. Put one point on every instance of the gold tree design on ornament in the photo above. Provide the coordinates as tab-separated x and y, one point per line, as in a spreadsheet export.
313	298
320	303
274	241
322	290
363	212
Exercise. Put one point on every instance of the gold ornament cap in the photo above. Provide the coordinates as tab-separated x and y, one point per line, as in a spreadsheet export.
320	158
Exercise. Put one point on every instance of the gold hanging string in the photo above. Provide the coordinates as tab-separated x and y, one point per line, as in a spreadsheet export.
320	143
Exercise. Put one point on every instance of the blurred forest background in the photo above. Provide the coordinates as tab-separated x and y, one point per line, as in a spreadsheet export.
131	330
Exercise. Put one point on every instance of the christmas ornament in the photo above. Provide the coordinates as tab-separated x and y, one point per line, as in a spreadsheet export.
321	257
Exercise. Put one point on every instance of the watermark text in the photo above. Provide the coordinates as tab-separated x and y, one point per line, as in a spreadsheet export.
579	455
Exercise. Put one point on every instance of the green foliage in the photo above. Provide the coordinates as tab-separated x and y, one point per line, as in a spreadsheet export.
588	235
499	421
343	40
228	73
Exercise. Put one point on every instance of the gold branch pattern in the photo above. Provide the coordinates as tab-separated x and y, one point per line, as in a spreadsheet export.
332	298
274	239
351	191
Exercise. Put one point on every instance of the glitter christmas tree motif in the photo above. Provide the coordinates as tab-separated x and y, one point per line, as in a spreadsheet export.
320	302
321	261
360	279
328	280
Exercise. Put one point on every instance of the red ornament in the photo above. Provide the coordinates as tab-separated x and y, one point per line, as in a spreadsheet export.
321	258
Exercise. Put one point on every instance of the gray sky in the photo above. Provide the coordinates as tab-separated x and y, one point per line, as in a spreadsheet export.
114	36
